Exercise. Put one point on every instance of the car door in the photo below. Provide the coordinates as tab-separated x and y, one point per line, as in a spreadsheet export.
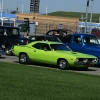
42	53
76	44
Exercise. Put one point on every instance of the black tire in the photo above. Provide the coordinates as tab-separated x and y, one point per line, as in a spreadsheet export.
63	64
8	51
23	58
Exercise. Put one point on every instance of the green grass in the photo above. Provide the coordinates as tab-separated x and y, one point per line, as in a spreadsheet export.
95	17
21	82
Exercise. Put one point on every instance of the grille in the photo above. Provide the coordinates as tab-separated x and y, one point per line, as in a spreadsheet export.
89	59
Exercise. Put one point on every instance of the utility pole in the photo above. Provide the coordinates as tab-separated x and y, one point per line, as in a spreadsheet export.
22	8
91	15
81	22
46	10
7	5
17	5
87	8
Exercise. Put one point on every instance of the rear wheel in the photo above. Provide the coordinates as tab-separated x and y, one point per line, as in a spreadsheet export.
23	58
63	64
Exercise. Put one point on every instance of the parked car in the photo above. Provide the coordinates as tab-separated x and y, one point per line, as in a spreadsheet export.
84	43
11	36
55	53
81	42
60	33
44	38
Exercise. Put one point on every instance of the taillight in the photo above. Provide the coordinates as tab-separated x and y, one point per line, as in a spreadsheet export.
26	41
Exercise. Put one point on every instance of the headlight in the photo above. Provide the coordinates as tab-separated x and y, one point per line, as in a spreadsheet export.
77	60
22	40
85	60
94	60
3	46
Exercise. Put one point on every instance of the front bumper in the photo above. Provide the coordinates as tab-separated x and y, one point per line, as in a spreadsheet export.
85	64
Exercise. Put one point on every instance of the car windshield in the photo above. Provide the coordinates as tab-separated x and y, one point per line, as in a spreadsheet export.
59	47
9	31
12	31
90	40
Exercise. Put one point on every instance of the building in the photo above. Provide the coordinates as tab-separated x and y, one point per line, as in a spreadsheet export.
7	19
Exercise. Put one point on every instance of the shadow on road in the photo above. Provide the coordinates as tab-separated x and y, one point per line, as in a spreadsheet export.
2	57
54	66
82	69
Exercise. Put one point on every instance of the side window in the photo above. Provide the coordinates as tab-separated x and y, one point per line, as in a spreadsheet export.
33	38
55	33
77	39
50	33
90	40
40	38
42	46
45	47
37	45
9	31
64	33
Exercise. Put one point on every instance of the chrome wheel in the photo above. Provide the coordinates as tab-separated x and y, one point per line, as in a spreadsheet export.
23	58
63	64
8	51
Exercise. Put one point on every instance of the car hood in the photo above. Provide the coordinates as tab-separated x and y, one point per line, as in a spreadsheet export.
77	54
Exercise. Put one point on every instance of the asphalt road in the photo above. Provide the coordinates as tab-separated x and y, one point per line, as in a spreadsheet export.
13	59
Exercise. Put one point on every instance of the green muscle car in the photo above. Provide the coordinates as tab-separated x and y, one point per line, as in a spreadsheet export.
53	53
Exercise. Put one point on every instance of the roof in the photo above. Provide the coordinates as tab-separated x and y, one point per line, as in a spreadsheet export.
8	15
47	42
7	27
89	24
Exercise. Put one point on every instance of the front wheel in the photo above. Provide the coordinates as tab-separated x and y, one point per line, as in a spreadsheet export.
8	51
63	64
23	58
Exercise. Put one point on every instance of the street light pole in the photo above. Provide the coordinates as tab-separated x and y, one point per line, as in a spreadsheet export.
22	8
46	10
87	8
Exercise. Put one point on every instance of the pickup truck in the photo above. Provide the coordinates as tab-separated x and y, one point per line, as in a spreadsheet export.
10	36
84	43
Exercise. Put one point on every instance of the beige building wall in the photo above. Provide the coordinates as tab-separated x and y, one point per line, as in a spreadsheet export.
46	23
